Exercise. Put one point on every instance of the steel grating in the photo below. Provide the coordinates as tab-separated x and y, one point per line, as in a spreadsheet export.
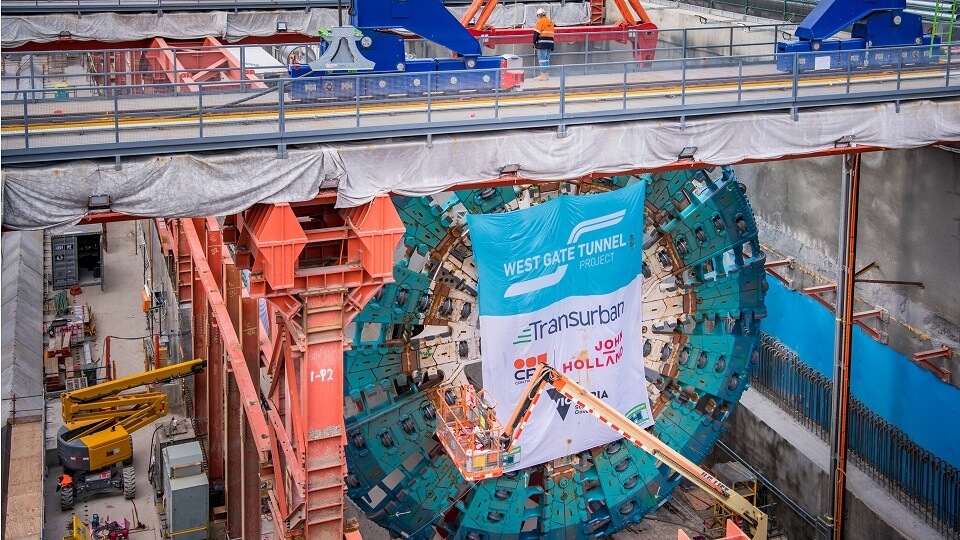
702	304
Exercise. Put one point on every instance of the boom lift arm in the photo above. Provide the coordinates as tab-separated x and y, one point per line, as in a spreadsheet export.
98	417
545	375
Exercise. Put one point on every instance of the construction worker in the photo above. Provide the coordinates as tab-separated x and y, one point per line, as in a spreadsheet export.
543	42
63	481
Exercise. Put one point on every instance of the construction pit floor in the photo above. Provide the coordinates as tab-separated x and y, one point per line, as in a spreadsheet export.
118	312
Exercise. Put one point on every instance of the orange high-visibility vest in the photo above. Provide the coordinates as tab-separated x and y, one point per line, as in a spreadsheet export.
545	27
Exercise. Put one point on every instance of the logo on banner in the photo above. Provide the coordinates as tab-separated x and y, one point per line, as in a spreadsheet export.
607	353
562	402
524	367
539	329
589	254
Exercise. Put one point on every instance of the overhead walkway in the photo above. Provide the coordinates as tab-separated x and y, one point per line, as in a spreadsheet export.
211	148
123	120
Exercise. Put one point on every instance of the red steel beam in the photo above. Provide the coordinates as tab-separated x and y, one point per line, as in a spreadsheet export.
249	339
248	390
70	44
233	421
200	321
213	246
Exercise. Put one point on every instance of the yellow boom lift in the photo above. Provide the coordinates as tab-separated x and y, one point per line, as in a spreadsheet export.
94	445
477	442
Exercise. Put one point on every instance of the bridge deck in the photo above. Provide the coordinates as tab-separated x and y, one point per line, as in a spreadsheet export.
123	125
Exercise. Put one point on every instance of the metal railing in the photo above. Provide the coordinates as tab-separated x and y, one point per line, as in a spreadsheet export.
94	120
796	10
28	7
917	478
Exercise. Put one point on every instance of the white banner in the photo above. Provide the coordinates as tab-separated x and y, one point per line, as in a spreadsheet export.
561	283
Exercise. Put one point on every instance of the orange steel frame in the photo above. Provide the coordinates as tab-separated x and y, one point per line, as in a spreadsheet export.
315	266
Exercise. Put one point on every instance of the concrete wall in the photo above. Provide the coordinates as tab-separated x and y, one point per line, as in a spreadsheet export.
696	19
796	461
909	225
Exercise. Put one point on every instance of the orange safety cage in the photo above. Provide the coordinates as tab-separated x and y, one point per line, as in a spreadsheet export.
470	432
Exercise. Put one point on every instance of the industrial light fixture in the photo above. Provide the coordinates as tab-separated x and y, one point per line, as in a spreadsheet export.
846	140
687	153
98	203
512	168
281	26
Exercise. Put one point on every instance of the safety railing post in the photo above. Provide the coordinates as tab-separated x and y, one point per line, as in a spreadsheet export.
496	94
731	42
176	75
33	81
796	84
683	44
356	86
586	49
281	107
949	65
116	118
200	108
26	123
740	80
429	97
683	82
848	72
563	99
625	86
243	70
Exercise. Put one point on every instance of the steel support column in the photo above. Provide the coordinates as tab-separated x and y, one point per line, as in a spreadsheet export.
846	260
213	247
321	373
233	419
200	312
207	293
316	266
249	340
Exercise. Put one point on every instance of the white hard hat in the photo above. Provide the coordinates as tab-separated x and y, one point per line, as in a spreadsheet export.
541	12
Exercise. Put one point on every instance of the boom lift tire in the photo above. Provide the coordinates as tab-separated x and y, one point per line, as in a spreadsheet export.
129	483
67	498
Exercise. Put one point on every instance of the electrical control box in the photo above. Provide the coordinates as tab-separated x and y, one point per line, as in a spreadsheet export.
185	492
77	257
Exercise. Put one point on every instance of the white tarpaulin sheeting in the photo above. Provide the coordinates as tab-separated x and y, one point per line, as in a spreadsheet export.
560	283
230	26
216	184
22	325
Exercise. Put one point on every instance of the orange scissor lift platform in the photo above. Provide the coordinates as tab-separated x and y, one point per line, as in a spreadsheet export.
470	432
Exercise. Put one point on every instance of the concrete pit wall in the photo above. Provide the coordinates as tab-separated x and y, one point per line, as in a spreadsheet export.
909	225
797	461
672	16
